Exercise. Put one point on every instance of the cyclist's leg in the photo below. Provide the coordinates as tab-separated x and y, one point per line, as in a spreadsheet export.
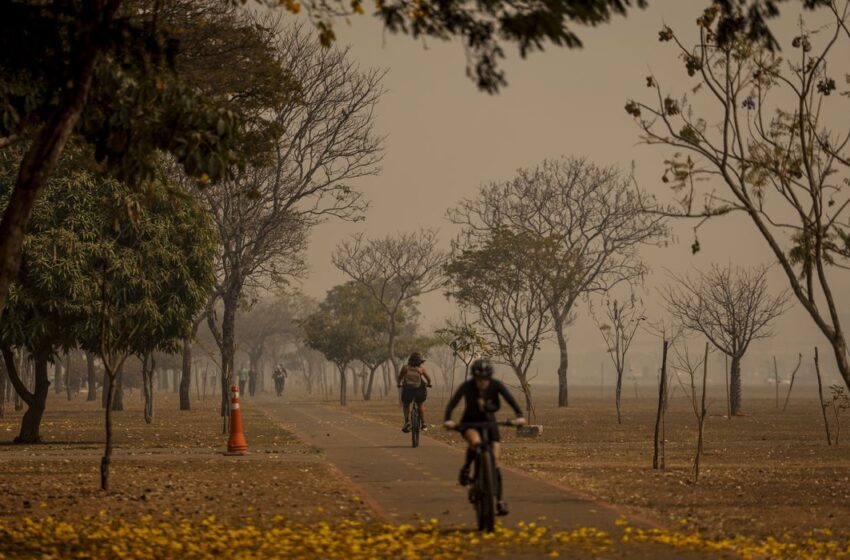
421	397
501	505
473	438
406	399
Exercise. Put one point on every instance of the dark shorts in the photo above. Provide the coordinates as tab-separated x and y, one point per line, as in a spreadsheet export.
494	430
410	394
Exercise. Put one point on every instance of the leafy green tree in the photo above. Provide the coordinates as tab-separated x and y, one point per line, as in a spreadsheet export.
45	305
150	268
343	329
102	72
487	276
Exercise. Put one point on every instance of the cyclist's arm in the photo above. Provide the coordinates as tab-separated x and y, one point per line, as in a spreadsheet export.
425	375
509	398
401	373
453	402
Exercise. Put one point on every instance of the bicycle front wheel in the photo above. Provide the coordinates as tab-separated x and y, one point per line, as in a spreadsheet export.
485	482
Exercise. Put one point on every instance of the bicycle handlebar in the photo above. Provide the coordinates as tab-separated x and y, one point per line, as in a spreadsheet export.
461	426
402	386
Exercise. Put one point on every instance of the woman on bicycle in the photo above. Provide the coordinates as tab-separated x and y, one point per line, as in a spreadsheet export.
413	389
481	396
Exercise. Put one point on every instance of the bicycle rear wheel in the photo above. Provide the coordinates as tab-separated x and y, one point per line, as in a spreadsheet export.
414	425
485	480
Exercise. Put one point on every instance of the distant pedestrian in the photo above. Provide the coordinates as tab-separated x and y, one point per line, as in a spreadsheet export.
252	382
280	374
243	379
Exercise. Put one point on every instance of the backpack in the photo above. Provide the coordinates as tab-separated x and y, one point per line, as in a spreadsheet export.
412	377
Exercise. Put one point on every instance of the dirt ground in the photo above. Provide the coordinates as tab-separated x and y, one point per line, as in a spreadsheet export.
173	467
765	473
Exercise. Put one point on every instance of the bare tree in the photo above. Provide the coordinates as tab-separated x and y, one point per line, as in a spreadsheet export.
325	140
685	364
757	136
395	270
445	359
622	321
731	307
589	221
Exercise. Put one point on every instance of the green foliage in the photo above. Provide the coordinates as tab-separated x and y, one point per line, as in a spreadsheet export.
152	269
492	278
483	27
345	327
464	340
102	259
149	91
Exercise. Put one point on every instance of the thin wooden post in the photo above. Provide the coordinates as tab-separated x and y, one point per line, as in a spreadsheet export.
820	396
658	450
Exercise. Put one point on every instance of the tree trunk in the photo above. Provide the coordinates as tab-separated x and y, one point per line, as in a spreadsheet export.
44	153
3	385
391	348
735	386
309	372
106	383
563	392
31	421
107	455
526	391
839	347
367	393
342	386
618	393
186	374
820	398
175	381
228	334
355	381
148	366
14	366
68	375
701	416
658	441
118	392
385	371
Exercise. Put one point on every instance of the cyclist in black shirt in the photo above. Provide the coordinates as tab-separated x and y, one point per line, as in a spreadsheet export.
481	396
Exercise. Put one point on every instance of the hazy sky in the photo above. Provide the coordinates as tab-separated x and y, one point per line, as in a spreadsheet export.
445	138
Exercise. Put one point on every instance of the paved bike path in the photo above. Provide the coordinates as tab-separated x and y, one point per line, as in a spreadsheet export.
404	483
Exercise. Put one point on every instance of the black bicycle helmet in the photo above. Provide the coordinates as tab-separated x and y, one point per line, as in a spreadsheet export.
415	359
481	368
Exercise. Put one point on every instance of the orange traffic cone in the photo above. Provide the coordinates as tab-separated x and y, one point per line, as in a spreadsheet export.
236	444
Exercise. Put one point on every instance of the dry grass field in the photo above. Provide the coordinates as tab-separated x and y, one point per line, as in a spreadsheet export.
171	468
764	473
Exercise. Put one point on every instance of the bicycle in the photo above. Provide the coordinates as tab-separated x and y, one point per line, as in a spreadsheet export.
482	491
415	421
